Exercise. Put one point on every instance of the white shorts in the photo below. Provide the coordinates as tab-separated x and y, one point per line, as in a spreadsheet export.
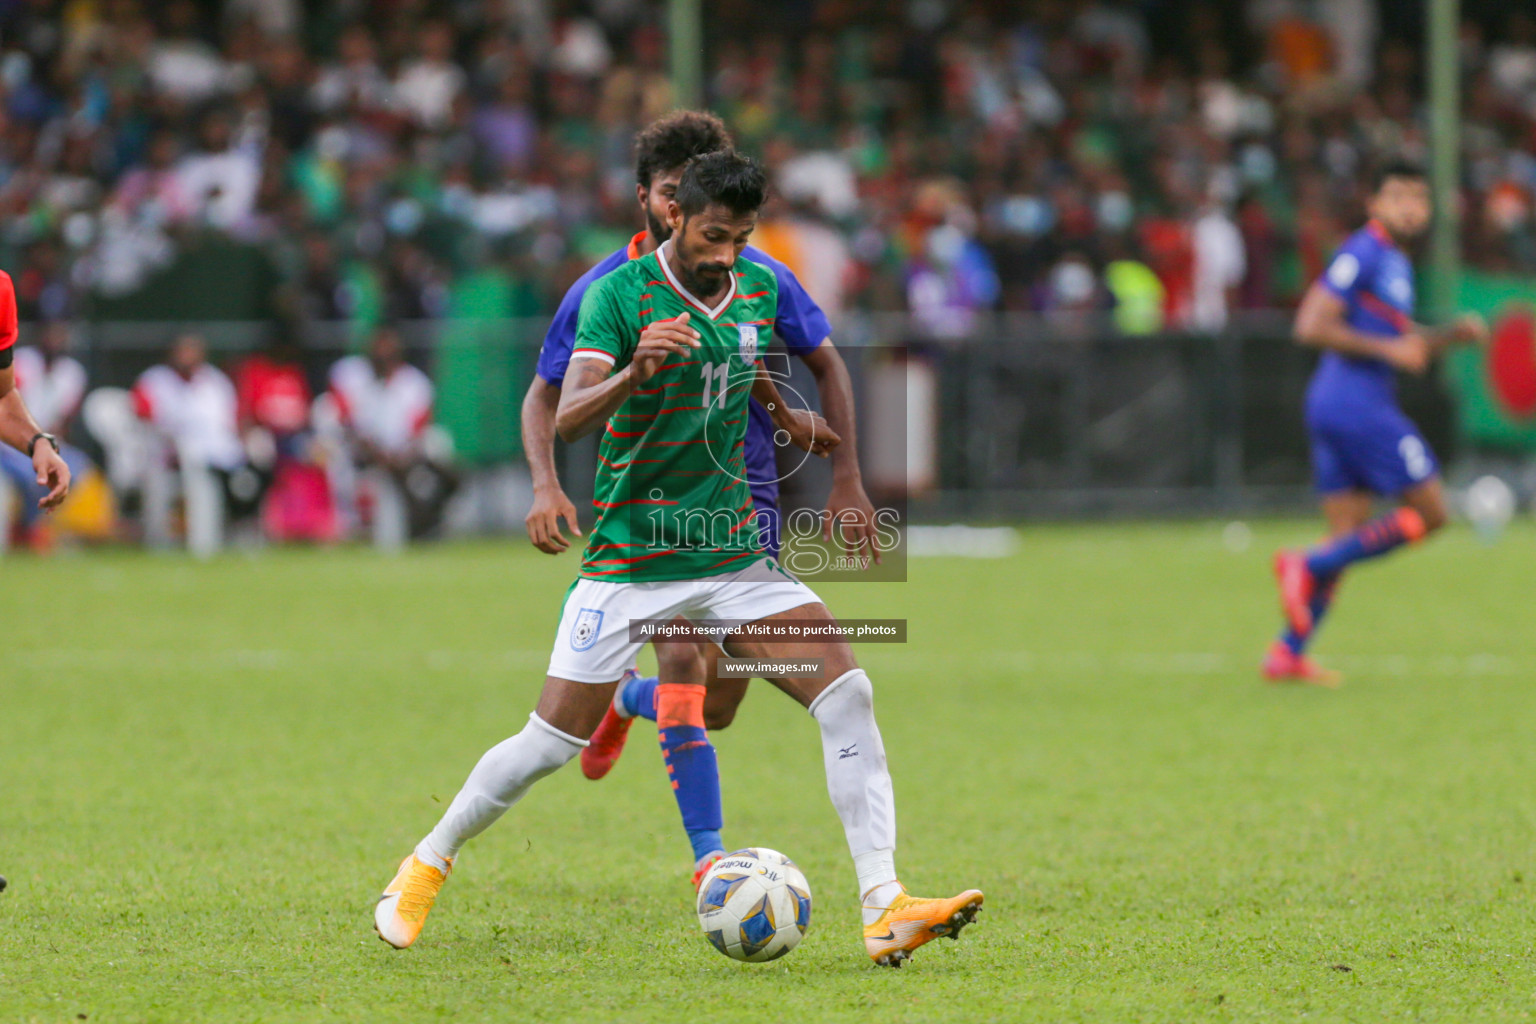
593	644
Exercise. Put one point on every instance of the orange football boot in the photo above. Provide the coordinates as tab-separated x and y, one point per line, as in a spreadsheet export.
408	898
702	867
1282	665
909	922
1297	585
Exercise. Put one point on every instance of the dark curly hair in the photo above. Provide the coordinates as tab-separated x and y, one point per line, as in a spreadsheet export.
728	178
1396	168
672	140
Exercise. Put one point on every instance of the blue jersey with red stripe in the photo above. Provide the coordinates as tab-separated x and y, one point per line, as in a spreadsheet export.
799	321
1374	280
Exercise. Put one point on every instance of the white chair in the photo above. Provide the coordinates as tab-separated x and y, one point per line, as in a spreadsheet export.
108	415
340	470
139	458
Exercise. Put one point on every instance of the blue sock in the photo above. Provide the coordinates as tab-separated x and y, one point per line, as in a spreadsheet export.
639	697
1377	537
695	776
1322	600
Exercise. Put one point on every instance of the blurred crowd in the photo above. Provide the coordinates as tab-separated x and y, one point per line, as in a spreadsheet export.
1161	165
207	457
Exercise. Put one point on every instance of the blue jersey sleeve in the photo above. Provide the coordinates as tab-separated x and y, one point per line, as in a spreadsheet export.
798	320
1352	267
555	355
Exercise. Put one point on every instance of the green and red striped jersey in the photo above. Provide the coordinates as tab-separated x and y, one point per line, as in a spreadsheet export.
672	499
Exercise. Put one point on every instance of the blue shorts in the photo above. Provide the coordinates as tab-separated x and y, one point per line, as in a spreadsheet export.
1380	451
768	521
18	467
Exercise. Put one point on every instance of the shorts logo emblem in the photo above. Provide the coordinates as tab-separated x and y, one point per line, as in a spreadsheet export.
589	622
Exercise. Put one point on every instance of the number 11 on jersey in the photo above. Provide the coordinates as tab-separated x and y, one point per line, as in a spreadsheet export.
712	371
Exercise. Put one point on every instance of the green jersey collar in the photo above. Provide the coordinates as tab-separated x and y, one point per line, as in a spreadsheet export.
730	293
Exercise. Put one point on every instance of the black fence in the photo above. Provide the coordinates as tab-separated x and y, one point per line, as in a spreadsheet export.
1022	416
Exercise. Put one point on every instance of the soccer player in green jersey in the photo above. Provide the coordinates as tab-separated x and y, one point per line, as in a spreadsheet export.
666	354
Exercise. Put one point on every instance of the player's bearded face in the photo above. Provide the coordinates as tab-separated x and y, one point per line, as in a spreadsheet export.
707	245
656	199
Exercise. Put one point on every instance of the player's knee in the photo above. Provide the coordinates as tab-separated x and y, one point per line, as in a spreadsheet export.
1421	518
849	693
1434	516
544	749
681	664
719	717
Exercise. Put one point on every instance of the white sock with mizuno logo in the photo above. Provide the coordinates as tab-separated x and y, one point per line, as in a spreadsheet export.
858	782
499	780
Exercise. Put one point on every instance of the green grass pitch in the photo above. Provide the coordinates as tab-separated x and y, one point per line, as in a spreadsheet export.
207	773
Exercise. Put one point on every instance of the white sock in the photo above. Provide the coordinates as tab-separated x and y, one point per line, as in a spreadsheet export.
857	779
498	781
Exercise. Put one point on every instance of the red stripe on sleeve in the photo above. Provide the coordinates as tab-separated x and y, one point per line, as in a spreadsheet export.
343	407
143	407
8	323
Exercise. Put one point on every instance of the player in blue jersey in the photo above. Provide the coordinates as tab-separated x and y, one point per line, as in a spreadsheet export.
1360	314
687	697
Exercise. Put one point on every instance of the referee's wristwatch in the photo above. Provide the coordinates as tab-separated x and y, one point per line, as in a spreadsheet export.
42	436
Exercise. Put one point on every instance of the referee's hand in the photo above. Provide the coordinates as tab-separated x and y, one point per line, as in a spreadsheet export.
52	473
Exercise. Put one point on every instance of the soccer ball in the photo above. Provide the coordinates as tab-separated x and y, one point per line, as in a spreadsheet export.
1490	504
754	905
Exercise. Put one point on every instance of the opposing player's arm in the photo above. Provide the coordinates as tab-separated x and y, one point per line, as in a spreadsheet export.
1321	323
550	502
849	510
538	420
806	429
804	327
1466	329
835	388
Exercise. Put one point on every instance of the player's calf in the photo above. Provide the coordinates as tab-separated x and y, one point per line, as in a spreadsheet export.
1427	500
722	701
691	766
500	779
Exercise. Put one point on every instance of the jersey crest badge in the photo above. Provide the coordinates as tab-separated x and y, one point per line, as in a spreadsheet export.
589	622
748	333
